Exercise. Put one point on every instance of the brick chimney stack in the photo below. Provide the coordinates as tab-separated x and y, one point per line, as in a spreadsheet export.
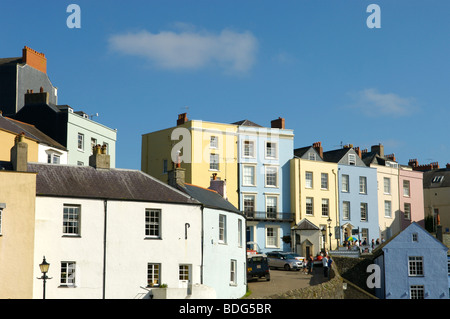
36	98
182	118
218	185
358	151
19	154
379	149
99	158
34	59
318	147
278	123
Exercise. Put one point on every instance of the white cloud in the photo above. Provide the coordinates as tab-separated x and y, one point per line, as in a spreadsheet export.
373	103
190	48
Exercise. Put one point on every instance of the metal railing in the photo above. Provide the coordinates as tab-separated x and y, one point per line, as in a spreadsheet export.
267	216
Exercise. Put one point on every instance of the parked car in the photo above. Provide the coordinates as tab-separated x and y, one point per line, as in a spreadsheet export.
258	267
283	260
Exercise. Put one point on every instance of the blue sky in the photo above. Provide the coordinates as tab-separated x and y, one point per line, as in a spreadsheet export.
315	63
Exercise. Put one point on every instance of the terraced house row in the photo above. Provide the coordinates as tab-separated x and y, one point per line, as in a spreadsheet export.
303	199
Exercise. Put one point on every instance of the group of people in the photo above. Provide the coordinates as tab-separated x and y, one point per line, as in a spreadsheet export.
356	244
308	264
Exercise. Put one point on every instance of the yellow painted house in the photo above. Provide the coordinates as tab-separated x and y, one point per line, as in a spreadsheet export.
17	226
7	138
202	149
314	200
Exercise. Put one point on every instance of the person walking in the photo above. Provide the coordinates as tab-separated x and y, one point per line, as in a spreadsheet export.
325	265
330	261
310	265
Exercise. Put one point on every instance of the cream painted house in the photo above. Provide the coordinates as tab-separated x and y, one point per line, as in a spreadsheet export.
314	191
205	149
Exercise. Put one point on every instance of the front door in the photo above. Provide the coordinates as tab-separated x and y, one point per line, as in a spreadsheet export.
185	273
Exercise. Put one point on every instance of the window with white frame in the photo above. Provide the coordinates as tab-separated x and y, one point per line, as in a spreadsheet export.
351	159
80	144
233	272
325	207
67	277
365	233
406	188
249	149
309	206
415	266
93	144
363	211
387	185
345	183
363	185
346	210
387	208
272	237
184	272
53	158
271	176
417	292
153	274
407	211
214	142
240	238
222	228
153	223
249	205
312	156
271	150
324	180
308	179
271	206
249	177
71	220
214	162
79	163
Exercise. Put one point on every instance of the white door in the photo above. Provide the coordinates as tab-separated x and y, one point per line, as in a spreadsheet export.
184	276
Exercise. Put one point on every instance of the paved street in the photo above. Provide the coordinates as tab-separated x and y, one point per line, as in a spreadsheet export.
282	281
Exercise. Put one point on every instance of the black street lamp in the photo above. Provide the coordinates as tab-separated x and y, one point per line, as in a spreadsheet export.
44	266
329	229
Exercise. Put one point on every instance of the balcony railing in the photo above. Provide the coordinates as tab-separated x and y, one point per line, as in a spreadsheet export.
270	216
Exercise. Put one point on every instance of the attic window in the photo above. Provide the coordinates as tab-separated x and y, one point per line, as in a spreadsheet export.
351	159
438	179
415	237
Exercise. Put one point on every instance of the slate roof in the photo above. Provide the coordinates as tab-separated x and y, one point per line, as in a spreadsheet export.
209	198
113	184
335	155
305	224
30	131
429	176
10	60
299	152
246	123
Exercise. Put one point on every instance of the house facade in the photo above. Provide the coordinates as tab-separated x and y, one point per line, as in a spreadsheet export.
264	181
20	74
358	201
73	130
202	149
413	265
314	198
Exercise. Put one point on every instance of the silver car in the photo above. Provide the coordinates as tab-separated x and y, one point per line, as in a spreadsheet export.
287	261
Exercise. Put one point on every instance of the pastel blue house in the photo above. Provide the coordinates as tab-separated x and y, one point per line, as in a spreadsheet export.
413	265
264	183
358	196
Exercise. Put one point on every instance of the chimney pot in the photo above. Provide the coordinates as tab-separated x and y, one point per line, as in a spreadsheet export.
182	118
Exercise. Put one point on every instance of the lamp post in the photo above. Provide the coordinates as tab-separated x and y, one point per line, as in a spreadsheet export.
329	229
44	266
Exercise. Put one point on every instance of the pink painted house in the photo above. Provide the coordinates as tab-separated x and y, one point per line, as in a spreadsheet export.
411	197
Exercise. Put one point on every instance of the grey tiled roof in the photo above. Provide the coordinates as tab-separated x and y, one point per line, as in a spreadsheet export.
112	184
246	123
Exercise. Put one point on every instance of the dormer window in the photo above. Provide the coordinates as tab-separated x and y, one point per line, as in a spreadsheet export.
351	159
438	179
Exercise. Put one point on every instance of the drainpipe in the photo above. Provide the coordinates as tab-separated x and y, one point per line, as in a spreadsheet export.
202	248
105	205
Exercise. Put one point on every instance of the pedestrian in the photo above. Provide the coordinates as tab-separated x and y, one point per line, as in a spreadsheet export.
330	261
377	242
305	265
373	243
325	266
310	264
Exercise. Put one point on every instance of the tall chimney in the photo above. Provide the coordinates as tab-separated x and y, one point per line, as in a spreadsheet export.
34	59
379	149
19	154
176	176
99	158
182	118
36	98
278	123
218	185
358	151
318	147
